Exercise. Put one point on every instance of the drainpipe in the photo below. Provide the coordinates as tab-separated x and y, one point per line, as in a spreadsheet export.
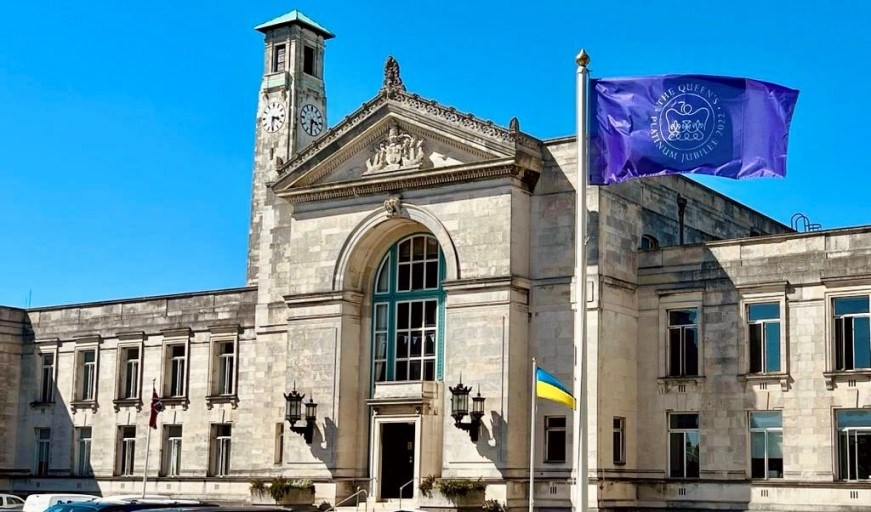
681	208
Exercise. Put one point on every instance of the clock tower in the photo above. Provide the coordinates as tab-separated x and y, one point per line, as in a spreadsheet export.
291	111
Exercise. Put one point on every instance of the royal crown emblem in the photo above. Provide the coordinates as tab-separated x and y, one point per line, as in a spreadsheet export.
687	123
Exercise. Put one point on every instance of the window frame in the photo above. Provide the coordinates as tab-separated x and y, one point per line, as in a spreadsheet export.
837	442
125	451
766	430
313	72
548	430
47	348
273	67
618	432
683	432
80	393
222	336
42	445
836	364
171	451
173	338
673	300
751	298
393	297
82	446
123	372
219	444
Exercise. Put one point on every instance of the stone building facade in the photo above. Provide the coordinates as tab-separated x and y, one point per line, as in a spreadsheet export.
411	247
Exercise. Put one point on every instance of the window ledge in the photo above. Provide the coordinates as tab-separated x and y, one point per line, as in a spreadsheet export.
212	400
127	402
84	404
39	404
781	378
833	377
681	384
176	400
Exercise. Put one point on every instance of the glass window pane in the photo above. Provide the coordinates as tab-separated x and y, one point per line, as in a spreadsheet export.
380	371
682	317
767	311
380	317
414	370
863	455
766	420
430	313
178	351
683	421
432	248
402	316
432	274
843	456
757	445
402	345
416	345
417	276
851	305
854	418
403	278
674	352
861	343
405	251
755	348
676	455
847	348
89	356
772	346
417	314
382	282
429	370
401	370
691	359
418	252
381	345
429	347
692	454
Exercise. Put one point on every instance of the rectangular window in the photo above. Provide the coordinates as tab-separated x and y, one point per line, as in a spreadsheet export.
46	388
225	362
129	373
171	450
279	443
87	375
176	362
83	451
683	445
126	450
766	445
416	340
854	444
308	60
220	450
555	439
852	339
618	448
380	338
43	450
279	58
683	342
764	337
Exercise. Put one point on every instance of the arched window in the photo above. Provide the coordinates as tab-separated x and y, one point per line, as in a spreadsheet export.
408	311
649	242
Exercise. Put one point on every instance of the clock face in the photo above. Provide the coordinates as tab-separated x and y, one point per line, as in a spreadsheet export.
273	116
311	119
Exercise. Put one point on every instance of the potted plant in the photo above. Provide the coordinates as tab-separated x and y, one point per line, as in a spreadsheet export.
454	493
283	491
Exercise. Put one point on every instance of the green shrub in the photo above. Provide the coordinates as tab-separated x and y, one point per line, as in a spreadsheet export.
492	506
459	487
278	488
258	486
426	485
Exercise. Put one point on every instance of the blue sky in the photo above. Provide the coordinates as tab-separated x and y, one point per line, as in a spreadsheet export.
126	128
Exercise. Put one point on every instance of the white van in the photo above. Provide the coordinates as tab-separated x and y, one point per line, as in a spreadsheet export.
40	502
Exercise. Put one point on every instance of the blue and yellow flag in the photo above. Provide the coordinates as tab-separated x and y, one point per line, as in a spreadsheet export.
546	386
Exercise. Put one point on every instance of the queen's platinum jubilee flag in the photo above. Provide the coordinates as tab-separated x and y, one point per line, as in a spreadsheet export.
674	124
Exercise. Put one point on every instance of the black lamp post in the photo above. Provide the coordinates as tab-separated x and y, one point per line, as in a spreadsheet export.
293	410
460	408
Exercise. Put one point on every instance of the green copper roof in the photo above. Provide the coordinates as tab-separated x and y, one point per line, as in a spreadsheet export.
292	17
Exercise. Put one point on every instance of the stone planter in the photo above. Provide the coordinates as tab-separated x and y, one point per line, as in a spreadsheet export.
300	498
472	500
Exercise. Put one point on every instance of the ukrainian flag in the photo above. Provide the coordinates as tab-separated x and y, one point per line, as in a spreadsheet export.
546	386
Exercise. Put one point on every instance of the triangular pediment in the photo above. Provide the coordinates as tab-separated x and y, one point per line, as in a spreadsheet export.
399	136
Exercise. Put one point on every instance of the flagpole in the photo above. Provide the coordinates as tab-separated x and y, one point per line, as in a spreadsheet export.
532	437
580	434
147	445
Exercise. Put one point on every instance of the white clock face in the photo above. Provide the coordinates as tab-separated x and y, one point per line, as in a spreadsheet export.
311	119
273	116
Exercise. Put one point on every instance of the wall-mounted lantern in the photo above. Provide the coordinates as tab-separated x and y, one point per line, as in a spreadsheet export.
460	408
293	410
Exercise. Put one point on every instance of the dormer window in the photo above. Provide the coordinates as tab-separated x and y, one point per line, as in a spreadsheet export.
279	58
308	60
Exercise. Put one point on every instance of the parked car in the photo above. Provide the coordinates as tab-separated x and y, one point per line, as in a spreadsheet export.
213	508
10	502
127	505
42	502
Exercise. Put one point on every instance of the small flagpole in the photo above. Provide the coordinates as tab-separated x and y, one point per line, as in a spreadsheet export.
147	443
580	434
532	438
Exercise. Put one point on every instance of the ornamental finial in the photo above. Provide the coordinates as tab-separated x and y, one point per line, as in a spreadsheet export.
582	58
392	80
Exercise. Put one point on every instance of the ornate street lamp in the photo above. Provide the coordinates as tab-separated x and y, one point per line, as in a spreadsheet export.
293	410
460	408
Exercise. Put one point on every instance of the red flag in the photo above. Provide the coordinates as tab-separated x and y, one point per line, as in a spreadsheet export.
156	407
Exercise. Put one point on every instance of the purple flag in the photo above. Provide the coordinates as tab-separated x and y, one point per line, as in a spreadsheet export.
679	124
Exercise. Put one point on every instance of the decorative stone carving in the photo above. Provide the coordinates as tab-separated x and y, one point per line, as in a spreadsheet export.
393	205
392	80
399	150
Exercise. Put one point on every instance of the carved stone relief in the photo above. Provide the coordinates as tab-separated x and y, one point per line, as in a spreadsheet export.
399	150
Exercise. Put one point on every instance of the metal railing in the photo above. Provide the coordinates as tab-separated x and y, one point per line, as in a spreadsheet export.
402	487
357	494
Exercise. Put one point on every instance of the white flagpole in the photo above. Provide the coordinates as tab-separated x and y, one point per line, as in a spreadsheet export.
532	438
147	443
580	434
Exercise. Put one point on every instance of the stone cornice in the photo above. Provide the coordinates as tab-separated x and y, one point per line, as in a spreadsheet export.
424	106
322	298
414	179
